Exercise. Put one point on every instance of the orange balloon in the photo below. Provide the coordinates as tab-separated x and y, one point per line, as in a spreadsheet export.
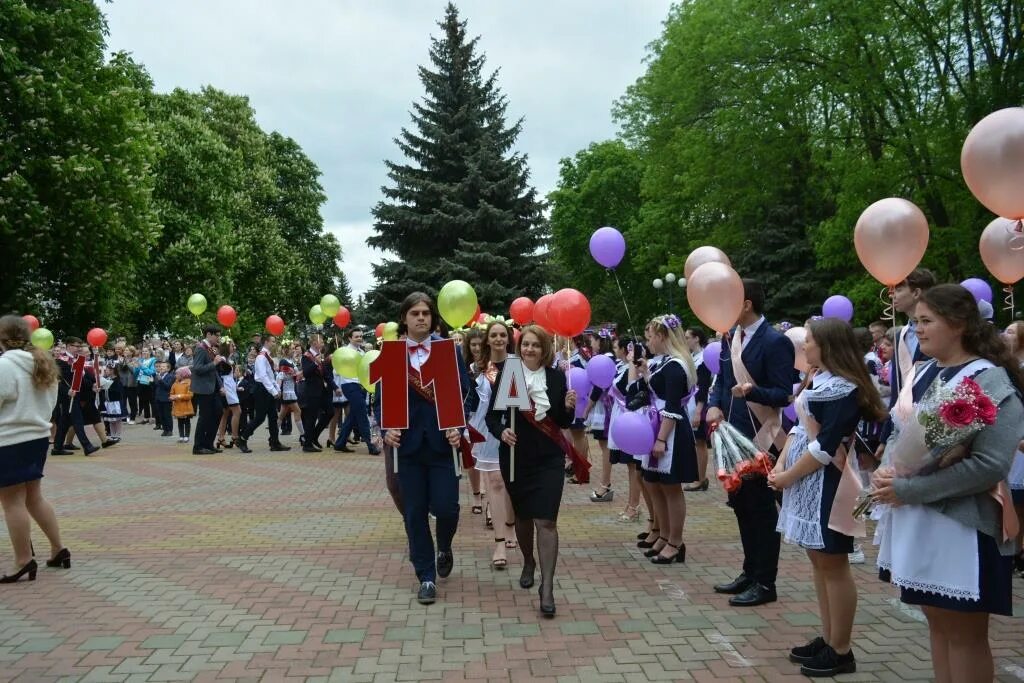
891	237
715	293
701	255
798	336
992	160
1002	250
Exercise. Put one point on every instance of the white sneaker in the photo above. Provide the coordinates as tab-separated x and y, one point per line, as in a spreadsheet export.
857	556
130	421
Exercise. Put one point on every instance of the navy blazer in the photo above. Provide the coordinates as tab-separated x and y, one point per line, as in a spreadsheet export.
423	434
162	388
769	358
312	373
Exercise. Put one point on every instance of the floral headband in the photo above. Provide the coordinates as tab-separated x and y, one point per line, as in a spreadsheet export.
785	325
604	333
489	320
671	321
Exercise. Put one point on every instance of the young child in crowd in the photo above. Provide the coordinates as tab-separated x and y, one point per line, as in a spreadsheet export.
113	402
181	397
162	397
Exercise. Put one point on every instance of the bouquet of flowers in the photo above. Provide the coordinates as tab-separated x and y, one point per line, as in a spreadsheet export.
737	457
947	419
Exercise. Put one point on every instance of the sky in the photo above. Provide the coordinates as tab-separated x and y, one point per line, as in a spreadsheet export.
340	77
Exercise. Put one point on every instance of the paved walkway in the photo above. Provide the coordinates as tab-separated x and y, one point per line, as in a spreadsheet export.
292	567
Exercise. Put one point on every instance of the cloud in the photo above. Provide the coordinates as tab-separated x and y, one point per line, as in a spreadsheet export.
340	76
357	255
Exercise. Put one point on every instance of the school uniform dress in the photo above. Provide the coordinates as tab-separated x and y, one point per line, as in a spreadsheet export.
807	504
617	398
670	390
934	558
600	414
577	360
704	382
486	453
536	492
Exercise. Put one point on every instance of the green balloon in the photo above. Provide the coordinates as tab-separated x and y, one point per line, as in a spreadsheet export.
42	338
196	304
330	305
346	361
316	315
457	303
391	332
364	370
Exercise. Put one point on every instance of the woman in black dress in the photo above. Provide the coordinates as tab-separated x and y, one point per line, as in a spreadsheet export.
536	492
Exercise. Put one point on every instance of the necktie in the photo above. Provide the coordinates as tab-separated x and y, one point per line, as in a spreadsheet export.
417	347
743	336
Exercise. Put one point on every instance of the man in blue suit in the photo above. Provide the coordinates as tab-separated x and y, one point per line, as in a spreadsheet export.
754	384
426	470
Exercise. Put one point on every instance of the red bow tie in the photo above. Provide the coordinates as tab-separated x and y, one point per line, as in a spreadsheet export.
417	347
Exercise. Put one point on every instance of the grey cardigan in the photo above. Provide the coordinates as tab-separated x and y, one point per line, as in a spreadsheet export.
961	491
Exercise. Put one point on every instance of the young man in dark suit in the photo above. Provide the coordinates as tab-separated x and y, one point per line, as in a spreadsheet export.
206	387
312	398
754	384
73	381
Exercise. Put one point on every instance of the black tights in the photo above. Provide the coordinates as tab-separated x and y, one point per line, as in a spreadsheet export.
547	550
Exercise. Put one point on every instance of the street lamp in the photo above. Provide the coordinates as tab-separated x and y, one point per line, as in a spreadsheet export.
671	279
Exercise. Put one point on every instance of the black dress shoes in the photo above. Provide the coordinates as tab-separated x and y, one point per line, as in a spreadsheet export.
427	593
344	449
243	445
204	451
61	452
445	562
310	449
755	595
278	448
734	587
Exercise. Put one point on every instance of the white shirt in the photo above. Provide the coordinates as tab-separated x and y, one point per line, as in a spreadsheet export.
352	380
537	384
748	332
264	373
421	353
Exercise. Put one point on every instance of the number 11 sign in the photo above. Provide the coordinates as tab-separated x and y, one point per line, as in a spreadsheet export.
438	381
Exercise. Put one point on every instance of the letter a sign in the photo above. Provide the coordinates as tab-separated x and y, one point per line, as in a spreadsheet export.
512	391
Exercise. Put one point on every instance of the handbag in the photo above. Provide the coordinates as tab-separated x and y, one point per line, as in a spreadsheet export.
640	399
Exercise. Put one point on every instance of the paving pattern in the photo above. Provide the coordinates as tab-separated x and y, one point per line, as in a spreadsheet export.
290	566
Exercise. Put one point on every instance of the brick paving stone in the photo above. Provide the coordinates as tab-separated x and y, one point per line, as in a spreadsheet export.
293	567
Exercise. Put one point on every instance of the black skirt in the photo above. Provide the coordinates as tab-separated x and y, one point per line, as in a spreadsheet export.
835	542
23	462
618	457
537	491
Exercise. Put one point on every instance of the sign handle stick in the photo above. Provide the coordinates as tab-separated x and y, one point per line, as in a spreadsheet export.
512	451
394	456
455	461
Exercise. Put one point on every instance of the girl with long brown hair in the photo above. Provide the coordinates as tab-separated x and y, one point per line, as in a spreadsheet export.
810	468
472	343
28	390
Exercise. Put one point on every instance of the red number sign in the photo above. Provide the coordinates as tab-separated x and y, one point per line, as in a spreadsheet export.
440	372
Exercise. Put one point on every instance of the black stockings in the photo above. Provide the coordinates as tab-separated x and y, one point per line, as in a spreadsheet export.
547	551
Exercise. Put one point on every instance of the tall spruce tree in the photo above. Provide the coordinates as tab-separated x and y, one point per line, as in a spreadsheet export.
461	207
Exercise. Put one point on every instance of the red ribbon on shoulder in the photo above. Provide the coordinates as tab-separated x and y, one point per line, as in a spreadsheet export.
547	427
465	445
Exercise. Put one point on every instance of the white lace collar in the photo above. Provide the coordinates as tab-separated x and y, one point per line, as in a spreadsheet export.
829	387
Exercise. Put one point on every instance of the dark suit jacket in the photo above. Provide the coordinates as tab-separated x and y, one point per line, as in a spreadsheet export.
769	358
532	443
162	388
312	373
205	378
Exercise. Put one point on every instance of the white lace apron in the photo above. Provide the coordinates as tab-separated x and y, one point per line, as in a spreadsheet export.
923	549
618	404
800	517
486	453
663	464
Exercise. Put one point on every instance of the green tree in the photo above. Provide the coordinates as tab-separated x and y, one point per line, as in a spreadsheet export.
461	207
75	156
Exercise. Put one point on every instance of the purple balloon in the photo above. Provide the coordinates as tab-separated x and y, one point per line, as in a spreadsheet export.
713	357
580	383
632	433
979	288
607	246
601	371
838	306
790	412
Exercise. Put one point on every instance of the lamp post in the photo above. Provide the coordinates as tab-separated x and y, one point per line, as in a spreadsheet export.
670	280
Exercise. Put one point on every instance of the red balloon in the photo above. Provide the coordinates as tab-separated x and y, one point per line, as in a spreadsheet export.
33	322
275	325
482	317
379	331
226	315
97	336
343	318
521	310
541	311
569	312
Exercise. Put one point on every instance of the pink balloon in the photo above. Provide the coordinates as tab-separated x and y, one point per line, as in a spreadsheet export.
1001	250
701	255
715	293
992	160
798	336
891	237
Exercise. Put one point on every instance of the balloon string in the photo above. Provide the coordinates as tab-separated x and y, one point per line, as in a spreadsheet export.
887	296
611	271
1009	300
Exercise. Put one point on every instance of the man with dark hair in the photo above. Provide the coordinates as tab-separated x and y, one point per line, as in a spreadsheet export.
265	393
755	382
206	390
312	397
358	417
73	380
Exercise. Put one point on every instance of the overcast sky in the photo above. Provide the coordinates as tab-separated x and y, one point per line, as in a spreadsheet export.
339	76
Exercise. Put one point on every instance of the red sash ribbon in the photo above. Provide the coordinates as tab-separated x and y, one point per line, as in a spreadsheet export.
547	427
427	394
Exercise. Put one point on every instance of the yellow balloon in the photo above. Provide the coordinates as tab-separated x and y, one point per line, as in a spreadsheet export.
457	303
346	361
196	304
316	315
364	370
330	305
391	332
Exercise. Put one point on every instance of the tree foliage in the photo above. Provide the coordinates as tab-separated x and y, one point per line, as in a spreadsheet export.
460	206
766	129
118	203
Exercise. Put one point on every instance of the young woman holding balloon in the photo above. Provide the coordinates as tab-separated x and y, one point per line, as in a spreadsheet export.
671	379
696	340
617	392
596	414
